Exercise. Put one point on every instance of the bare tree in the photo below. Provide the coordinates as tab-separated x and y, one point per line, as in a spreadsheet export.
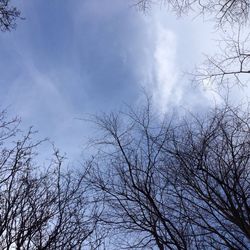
175	184
223	11
212	160
8	15
139	200
231	64
41	207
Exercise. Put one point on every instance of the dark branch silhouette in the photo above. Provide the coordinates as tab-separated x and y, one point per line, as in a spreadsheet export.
175	184
223	11
45	207
8	15
231	65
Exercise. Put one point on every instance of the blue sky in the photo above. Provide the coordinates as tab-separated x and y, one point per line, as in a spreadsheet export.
71	58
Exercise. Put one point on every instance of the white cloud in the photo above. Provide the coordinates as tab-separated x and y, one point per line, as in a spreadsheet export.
159	70
165	70
173	49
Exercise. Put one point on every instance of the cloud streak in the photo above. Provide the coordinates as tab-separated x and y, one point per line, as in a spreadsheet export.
165	61
165	69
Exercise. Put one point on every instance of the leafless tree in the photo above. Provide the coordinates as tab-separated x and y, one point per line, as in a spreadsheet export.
223	11
139	200
211	156
8	15
176	183
41	207
230	65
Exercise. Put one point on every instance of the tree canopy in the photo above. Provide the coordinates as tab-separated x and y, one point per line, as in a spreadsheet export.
172	183
8	15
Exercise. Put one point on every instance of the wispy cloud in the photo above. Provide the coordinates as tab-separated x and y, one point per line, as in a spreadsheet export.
159	70
165	89
89	56
166	60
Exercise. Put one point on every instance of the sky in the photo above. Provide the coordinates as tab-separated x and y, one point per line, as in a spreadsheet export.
68	59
